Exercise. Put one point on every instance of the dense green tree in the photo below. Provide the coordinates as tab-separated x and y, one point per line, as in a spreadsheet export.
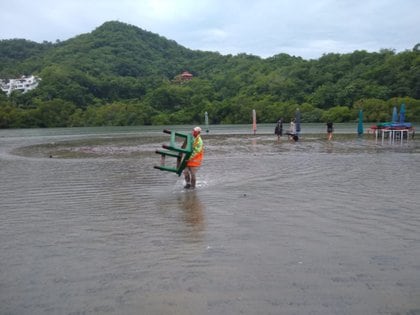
54	113
122	75
310	113
374	110
337	114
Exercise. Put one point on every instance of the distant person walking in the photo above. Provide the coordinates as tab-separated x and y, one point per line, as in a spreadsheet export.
279	128
330	129
292	131
292	128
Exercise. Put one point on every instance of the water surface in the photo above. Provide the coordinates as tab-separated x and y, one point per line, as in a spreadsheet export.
88	226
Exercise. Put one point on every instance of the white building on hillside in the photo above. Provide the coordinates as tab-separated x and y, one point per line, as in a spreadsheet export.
24	84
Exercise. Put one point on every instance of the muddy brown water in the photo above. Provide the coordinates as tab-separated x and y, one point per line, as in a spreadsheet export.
88	226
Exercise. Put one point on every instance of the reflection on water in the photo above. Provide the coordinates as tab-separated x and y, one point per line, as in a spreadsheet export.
312	227
193	210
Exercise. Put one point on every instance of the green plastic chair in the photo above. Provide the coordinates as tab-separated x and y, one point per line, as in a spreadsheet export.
180	148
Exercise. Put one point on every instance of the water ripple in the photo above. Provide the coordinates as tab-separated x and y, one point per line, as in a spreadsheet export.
272	227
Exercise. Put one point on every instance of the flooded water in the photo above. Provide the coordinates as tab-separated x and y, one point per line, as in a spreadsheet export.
88	226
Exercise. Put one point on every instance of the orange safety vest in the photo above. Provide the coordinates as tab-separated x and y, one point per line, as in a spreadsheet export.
197	154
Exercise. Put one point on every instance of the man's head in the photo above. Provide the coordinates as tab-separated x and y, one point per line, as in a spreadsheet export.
196	131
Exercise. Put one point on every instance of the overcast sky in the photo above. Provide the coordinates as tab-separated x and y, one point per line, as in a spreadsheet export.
305	28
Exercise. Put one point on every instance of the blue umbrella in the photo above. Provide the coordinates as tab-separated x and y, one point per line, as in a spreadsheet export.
297	117
402	113
394	115
360	124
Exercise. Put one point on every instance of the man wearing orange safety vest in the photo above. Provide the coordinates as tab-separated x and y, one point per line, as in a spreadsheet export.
195	159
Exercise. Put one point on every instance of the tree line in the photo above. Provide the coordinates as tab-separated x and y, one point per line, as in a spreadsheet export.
122	75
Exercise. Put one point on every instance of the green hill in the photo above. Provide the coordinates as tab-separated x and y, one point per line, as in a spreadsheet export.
120	74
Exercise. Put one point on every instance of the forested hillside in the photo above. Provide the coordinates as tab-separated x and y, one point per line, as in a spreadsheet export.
120	74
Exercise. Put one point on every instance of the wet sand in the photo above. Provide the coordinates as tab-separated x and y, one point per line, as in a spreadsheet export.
313	227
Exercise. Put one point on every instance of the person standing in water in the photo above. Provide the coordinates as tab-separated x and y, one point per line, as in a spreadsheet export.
330	130
279	128
292	131
194	162
292	128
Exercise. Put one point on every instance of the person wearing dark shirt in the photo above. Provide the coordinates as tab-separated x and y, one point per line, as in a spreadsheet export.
330	130
279	128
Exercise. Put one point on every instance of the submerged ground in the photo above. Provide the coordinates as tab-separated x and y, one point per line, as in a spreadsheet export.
87	225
